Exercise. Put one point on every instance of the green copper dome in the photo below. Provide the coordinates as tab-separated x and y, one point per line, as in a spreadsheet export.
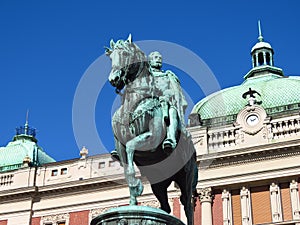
264	83
275	91
24	145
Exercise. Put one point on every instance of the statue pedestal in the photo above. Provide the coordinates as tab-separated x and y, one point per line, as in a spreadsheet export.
135	215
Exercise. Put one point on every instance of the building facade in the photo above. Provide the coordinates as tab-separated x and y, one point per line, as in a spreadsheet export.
247	140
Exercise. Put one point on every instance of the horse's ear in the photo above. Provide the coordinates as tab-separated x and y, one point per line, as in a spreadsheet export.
129	39
112	43
108	51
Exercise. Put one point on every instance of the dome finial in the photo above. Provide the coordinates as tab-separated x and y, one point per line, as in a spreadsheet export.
260	37
26	122
26	129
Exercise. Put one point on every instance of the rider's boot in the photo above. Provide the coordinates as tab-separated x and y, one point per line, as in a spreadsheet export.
170	142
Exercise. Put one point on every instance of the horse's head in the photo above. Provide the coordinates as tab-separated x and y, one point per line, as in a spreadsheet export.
127	60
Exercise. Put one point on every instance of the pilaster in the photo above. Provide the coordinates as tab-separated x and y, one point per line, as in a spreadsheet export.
295	200
227	207
275	203
246	206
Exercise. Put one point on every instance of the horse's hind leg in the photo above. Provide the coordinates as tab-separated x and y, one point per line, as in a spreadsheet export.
160	192
185	181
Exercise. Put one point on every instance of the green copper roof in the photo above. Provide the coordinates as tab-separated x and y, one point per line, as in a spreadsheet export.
12	156
275	91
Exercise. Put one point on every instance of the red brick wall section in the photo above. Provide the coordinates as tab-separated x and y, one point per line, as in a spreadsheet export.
79	218
217	209
3	222
35	221
197	213
176	208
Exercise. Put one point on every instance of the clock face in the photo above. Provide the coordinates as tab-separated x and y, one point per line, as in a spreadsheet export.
252	120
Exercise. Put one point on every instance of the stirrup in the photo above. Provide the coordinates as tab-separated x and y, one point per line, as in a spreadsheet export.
114	155
169	145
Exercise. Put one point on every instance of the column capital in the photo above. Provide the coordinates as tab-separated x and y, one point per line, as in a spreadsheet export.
225	194
244	192
294	185
274	188
205	194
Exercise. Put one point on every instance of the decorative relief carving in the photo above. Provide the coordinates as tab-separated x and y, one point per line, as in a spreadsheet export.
205	194
153	204
123	222
198	140
96	212
150	222
251	119
55	218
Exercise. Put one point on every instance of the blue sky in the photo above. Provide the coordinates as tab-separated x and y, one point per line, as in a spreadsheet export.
47	46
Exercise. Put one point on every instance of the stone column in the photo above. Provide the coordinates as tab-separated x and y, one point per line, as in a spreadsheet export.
275	203
246	206
295	200
265	58
205	195
256	57
271	60
227	209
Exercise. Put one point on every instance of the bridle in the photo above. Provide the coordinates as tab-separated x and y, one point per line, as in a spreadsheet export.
130	63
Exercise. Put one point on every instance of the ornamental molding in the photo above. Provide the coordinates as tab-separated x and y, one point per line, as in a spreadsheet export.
56	218
198	140
245	157
205	194
96	212
251	119
152	203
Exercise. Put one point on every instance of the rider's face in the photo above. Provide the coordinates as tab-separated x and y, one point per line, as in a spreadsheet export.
156	60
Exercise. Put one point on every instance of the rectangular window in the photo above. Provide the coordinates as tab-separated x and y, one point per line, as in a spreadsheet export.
61	223
63	171
54	172
101	165
261	208
111	163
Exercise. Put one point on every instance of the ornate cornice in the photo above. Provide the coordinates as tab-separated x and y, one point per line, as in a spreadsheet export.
222	159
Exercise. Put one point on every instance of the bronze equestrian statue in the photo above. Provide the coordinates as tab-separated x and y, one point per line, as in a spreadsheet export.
149	127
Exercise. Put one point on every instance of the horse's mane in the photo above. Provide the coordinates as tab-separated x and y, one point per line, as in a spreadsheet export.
140	56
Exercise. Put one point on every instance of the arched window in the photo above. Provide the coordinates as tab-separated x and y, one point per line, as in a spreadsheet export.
268	58
254	61
260	59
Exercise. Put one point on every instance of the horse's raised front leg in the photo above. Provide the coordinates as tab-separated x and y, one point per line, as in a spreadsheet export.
144	142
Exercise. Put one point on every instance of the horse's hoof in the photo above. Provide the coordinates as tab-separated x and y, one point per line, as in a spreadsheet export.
133	202
140	188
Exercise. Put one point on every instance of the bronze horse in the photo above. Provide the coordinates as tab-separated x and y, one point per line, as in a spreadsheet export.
139	131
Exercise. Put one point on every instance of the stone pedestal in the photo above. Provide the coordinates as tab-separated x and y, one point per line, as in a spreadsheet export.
135	215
